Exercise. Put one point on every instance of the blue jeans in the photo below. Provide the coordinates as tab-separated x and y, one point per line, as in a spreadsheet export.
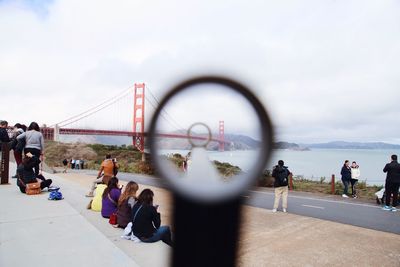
163	233
346	186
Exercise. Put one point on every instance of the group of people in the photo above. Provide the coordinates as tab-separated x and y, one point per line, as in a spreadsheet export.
350	175
111	199
27	144
77	164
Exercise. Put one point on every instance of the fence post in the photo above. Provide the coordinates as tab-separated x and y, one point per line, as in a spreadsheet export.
5	161
291	182
333	184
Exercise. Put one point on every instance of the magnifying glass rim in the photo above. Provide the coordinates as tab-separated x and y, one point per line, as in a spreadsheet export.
190	138
267	135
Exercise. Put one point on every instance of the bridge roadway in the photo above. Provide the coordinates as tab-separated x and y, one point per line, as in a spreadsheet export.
331	208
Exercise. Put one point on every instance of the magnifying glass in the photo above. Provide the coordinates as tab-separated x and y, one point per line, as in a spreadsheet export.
210	138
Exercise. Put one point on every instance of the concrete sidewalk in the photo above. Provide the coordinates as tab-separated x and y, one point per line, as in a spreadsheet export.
75	236
65	233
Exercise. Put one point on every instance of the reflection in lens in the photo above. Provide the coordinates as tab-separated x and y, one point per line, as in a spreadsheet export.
201	156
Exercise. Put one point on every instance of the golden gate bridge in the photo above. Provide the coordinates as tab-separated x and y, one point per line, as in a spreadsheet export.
73	125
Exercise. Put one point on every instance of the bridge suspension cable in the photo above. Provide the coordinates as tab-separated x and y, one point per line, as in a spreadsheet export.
94	109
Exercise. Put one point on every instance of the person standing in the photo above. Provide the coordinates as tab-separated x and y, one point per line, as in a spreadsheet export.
18	145
65	164
4	138
34	142
355	174
346	177
392	183
281	174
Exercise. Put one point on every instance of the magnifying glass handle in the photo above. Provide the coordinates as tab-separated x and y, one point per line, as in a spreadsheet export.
205	235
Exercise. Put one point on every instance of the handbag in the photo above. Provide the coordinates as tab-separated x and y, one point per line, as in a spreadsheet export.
113	216
113	219
33	188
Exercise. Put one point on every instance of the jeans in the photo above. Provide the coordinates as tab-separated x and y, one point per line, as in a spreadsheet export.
346	186
281	191
163	233
392	188
353	186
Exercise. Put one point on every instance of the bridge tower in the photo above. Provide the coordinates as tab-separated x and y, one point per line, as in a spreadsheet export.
221	136
138	116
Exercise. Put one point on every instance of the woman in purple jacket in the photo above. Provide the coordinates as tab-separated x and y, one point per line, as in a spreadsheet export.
110	198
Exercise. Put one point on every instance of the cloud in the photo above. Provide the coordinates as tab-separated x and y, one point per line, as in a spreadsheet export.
324	70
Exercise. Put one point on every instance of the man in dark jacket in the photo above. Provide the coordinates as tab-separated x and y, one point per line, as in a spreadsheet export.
4	138
392	183
281	174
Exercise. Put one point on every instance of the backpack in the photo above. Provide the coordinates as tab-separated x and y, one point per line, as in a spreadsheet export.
55	195
282	176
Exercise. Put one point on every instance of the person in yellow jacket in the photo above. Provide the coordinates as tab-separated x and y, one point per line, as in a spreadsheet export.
97	199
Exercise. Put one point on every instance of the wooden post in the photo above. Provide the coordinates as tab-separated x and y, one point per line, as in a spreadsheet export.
333	184
5	161
291	182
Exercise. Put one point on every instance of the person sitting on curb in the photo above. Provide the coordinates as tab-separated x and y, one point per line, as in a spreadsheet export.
108	169
146	220
110	198
96	203
27	175
125	204
281	174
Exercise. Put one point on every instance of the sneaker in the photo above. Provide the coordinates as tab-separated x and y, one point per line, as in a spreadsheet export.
345	196
273	210
355	196
284	210
394	209
89	195
387	208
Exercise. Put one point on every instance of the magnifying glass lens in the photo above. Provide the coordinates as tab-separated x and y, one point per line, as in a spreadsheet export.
208	140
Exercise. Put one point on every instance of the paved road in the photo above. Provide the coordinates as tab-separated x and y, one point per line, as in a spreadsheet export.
338	210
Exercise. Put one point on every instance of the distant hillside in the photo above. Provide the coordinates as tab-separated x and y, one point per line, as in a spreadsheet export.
291	146
354	145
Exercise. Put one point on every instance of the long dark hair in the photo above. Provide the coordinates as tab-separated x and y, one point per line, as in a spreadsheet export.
34	126
346	161
146	197
113	183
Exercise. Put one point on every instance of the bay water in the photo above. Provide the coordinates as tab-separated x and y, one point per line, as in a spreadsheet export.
312	164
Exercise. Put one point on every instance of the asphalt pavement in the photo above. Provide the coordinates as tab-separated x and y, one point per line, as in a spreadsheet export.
331	208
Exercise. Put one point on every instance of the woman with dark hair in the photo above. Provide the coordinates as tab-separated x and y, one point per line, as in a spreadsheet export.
346	177
146	220
26	175
17	146
34	142
110	198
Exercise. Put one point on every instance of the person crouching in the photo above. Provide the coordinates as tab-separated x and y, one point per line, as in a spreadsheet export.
27	175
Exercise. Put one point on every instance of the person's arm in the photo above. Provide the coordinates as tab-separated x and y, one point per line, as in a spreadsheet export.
386	168
274	172
115	194
101	170
21	136
156	218
41	144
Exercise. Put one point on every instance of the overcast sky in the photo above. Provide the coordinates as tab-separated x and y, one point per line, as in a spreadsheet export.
325	70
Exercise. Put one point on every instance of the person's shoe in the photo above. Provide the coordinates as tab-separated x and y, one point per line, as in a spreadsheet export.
394	209
89	195
345	196
387	208
284	210
273	210
355	196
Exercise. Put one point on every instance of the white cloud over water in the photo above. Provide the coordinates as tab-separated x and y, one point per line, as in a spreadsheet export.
326	70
